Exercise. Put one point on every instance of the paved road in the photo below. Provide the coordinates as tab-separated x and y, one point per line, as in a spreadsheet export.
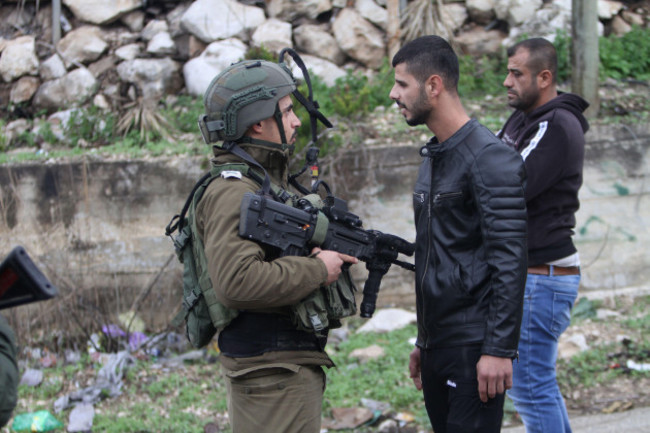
631	421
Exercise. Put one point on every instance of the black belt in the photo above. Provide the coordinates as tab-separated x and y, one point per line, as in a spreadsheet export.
252	334
554	270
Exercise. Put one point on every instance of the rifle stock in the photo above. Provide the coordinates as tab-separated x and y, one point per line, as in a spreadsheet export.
21	282
295	231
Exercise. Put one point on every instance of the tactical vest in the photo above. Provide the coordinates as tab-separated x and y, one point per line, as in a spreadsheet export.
205	315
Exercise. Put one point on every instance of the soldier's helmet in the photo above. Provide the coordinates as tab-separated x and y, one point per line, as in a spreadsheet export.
243	94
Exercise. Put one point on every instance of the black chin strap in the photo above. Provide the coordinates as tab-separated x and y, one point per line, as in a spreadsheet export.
283	136
311	159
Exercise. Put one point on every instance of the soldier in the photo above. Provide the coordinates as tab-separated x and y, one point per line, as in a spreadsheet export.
271	364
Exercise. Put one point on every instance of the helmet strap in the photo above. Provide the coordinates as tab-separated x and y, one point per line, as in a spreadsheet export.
283	137
311	105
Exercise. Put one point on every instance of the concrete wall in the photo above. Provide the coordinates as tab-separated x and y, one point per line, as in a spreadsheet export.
100	224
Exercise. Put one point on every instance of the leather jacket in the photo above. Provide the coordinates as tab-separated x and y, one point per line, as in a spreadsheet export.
470	257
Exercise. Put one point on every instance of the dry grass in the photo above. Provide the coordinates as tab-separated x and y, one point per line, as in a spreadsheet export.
424	17
144	115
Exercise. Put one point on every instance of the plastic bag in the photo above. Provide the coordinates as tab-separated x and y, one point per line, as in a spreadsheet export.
39	421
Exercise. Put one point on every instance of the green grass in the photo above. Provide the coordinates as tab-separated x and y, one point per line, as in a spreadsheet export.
157	399
385	379
604	362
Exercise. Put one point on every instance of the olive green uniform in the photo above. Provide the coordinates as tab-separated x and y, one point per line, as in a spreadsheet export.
279	391
8	372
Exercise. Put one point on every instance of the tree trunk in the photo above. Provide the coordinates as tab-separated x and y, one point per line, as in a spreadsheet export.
584	53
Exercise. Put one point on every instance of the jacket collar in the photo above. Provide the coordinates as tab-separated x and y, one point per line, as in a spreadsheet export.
274	161
433	146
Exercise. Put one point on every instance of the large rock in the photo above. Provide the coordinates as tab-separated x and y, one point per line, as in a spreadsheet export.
161	45
152	28
372	12
291	10
74	88
327	71
273	35
82	45
358	38
52	68
544	24
516	12
608	9
101	11
316	40
211	20
128	52
480	11
387	320
134	20
24	89
217	56
454	15
478	40
19	58
154	78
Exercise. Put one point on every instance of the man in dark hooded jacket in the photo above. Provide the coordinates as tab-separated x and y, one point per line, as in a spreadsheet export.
547	128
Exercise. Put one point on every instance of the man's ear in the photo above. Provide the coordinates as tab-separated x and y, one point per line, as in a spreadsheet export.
544	79
433	85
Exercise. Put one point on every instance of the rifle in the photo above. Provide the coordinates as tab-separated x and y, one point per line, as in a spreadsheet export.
21	282
295	230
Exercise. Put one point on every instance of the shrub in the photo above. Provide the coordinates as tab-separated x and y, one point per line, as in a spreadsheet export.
627	56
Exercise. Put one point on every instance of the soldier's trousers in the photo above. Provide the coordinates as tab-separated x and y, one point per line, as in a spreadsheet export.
276	397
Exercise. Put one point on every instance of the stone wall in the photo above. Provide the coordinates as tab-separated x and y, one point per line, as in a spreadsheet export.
100	224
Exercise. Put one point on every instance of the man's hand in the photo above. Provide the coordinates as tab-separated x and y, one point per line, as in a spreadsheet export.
333	261
494	376
415	369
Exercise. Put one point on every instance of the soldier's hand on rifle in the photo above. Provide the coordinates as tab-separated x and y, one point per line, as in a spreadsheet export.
333	261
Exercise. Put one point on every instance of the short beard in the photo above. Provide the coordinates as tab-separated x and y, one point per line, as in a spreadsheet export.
526	100
421	111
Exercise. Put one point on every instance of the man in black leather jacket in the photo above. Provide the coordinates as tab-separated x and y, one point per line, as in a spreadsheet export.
470	257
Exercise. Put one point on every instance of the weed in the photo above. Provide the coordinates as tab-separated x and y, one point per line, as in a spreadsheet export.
91	126
260	52
45	131
481	76
603	363
385	379
627	56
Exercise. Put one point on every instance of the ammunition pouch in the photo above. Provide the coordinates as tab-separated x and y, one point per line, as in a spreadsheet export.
325	307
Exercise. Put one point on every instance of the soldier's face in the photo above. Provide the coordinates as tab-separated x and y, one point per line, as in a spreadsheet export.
290	122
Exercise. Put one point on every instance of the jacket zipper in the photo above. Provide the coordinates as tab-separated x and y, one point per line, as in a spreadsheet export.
427	261
447	195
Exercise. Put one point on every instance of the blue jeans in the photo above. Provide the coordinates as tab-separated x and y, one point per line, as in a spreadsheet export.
547	314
